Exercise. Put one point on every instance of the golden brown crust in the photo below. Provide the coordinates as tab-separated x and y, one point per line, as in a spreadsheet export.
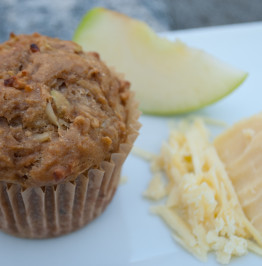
62	111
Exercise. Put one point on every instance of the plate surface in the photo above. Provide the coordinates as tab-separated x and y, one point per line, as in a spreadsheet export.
126	233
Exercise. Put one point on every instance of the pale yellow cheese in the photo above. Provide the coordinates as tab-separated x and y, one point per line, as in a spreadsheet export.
201	208
233	141
156	189
240	148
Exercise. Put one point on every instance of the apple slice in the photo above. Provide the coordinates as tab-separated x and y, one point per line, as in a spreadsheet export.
168	77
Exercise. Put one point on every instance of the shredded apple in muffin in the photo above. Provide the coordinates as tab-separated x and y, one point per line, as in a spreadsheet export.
62	111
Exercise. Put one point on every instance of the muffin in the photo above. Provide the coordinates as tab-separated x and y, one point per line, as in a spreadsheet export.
67	123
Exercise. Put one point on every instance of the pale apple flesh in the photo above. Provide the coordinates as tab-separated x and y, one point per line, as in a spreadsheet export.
168	77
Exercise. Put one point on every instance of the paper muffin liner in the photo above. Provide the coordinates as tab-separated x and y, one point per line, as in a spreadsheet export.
49	211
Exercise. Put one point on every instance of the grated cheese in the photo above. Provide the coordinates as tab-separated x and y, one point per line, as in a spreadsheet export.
123	180
201	207
142	153
156	189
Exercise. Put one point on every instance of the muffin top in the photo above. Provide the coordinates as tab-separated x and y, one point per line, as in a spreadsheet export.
62	111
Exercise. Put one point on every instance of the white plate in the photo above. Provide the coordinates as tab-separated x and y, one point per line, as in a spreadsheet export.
126	234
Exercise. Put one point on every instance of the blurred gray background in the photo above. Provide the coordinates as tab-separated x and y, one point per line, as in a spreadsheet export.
59	18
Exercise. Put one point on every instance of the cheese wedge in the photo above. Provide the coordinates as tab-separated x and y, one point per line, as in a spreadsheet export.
240	148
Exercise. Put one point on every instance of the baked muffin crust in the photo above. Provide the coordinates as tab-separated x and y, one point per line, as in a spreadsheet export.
62	111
